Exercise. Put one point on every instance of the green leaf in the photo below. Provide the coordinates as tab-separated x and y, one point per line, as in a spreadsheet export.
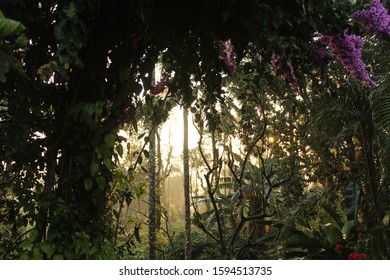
144	169
69	254
99	106
348	226
92	251
98	152
48	249
135	126
108	163
335	236
101	181
141	136
119	150
58	257
21	41
110	140
146	153
88	183
94	169
71	10
334	215
9	27
33	234
26	244
301	240
90	109
105	151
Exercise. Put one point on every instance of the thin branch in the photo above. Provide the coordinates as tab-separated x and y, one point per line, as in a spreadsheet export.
207	232
164	215
230	165
257	139
215	207
200	225
17	240
268	179
136	230
242	223
121	202
200	133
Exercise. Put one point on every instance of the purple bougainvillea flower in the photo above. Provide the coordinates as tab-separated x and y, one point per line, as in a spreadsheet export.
347	49
375	20
228	55
319	55
160	86
284	69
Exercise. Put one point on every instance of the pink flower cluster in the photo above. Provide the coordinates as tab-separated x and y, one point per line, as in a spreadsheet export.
228	55
346	48
284	69
376	20
339	247
359	231
357	256
160	86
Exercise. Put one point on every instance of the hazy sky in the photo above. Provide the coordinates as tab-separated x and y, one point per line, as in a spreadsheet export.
174	126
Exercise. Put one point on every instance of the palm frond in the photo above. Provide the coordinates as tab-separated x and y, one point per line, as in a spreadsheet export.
329	113
380	103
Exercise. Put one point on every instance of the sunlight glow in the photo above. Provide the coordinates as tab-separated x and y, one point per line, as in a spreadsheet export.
172	132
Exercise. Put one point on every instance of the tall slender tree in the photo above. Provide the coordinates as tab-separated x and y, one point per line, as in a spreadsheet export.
186	171
152	199
159	175
152	194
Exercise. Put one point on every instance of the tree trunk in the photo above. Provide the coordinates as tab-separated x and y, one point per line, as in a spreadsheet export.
152	195
159	176
188	245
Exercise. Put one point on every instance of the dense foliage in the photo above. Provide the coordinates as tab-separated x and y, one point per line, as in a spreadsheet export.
299	83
